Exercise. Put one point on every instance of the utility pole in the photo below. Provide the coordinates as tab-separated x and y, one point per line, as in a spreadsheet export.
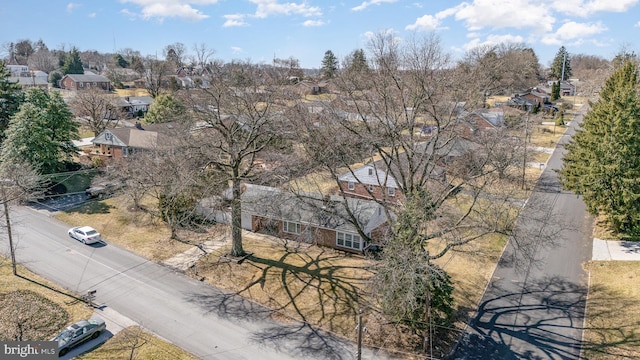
524	156
564	62
12	250
359	355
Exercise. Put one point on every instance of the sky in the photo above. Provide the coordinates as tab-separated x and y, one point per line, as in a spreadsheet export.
261	30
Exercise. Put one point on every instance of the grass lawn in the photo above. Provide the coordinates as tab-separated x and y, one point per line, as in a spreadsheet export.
136	343
30	281
136	231
613	311
326	287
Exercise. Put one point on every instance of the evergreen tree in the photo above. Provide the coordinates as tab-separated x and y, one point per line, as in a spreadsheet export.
41	133
555	91
120	61
357	61
603	159
10	98
329	65
72	63
165	108
562	60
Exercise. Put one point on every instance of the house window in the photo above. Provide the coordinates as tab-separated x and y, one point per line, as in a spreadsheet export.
290	227
370	188
80	84
125	152
347	240
391	191
370	171
351	185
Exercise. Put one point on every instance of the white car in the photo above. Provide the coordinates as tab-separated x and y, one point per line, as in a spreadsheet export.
85	234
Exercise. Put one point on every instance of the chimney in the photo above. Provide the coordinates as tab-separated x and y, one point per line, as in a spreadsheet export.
139	125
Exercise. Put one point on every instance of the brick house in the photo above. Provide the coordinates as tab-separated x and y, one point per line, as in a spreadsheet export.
313	218
121	142
370	182
75	82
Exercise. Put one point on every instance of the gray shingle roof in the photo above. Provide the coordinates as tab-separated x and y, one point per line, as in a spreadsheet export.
312	209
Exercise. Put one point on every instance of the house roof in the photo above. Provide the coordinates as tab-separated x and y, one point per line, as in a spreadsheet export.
28	80
312	209
146	138
87	78
370	175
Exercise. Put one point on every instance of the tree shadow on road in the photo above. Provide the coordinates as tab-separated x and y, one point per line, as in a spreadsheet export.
305	292
546	315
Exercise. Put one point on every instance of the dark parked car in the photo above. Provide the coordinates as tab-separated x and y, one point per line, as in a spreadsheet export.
78	333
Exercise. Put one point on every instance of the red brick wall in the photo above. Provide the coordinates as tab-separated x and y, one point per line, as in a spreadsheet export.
360	191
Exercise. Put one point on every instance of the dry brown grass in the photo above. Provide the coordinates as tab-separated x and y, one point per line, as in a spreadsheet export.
30	281
546	136
297	280
326	287
613	311
136	231
135	343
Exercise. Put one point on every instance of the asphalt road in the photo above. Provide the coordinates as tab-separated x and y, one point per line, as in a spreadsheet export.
198	318
533	307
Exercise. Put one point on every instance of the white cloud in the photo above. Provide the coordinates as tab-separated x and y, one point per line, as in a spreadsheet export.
236	49
637	24
162	9
366	4
493	40
129	14
273	7
92	15
313	23
234	20
72	6
573	30
430	22
424	23
586	8
499	14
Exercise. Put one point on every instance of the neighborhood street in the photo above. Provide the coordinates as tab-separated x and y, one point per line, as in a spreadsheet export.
534	305
198	318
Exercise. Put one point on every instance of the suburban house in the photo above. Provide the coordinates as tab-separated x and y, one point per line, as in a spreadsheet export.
480	121
77	82
538	98
370	182
27	82
17	70
313	218
137	104
121	142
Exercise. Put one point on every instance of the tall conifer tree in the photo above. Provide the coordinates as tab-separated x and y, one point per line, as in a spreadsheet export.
603	159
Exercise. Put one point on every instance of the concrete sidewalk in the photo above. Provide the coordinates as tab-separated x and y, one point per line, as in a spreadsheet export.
607	250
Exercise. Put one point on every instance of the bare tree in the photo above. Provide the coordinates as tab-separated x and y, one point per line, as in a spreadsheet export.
18	182
43	60
175	54
98	109
155	75
453	174
237	113
202	58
